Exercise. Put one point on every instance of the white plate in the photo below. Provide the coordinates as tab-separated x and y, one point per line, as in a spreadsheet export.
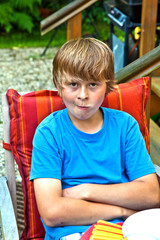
141	237
143	225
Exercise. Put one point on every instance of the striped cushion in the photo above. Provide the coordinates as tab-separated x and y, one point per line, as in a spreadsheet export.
27	111
104	230
132	98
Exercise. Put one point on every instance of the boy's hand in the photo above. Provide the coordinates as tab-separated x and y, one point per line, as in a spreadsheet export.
127	212
77	192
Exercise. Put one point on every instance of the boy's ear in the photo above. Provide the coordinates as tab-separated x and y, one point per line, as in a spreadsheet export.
111	90
107	90
59	92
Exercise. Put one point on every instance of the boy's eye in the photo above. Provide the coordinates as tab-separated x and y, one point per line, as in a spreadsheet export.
93	85
73	84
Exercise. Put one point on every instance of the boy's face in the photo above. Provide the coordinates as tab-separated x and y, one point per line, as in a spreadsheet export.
83	98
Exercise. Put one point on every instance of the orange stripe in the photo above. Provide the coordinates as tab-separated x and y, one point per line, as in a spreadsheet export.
144	115
120	98
102	222
41	107
27	161
51	102
22	127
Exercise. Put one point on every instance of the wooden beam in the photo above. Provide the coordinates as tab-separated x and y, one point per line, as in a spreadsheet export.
156	85
56	16
141	67
148	25
155	104
64	15
155	142
74	27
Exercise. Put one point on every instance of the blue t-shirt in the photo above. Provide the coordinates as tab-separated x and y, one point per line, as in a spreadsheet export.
115	154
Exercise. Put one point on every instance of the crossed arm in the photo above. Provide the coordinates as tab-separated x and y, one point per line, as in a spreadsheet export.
86	203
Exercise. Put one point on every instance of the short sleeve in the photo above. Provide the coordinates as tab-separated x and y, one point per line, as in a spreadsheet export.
46	161
137	160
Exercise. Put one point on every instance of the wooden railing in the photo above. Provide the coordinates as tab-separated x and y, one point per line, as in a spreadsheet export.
141	67
70	13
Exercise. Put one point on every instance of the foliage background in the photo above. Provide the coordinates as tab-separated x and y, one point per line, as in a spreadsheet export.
20	22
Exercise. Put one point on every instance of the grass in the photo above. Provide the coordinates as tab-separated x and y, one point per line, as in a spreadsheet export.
24	39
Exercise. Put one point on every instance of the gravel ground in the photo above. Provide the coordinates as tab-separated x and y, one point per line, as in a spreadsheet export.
23	70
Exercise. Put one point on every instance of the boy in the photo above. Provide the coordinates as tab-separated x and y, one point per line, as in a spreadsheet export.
88	162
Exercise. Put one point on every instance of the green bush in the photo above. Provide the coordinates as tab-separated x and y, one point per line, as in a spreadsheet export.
20	14
20	19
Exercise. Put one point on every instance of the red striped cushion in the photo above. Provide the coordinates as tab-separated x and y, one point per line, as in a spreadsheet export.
27	111
132	98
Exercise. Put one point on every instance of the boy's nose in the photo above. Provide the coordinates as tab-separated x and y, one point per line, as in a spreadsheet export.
83	93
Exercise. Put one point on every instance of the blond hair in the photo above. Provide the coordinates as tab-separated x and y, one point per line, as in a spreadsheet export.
83	59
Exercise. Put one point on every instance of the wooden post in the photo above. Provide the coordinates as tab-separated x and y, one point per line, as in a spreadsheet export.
148	25
148	34
74	27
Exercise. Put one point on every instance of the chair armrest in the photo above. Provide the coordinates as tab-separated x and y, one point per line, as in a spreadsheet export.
9	160
158	172
7	216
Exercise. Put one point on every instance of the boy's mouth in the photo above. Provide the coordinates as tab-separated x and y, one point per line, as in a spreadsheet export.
82	107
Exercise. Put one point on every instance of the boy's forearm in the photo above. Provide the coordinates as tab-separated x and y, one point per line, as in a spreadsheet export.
136	195
68	211
139	194
57	210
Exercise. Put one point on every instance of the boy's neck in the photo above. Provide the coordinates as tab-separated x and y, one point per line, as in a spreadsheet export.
91	125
